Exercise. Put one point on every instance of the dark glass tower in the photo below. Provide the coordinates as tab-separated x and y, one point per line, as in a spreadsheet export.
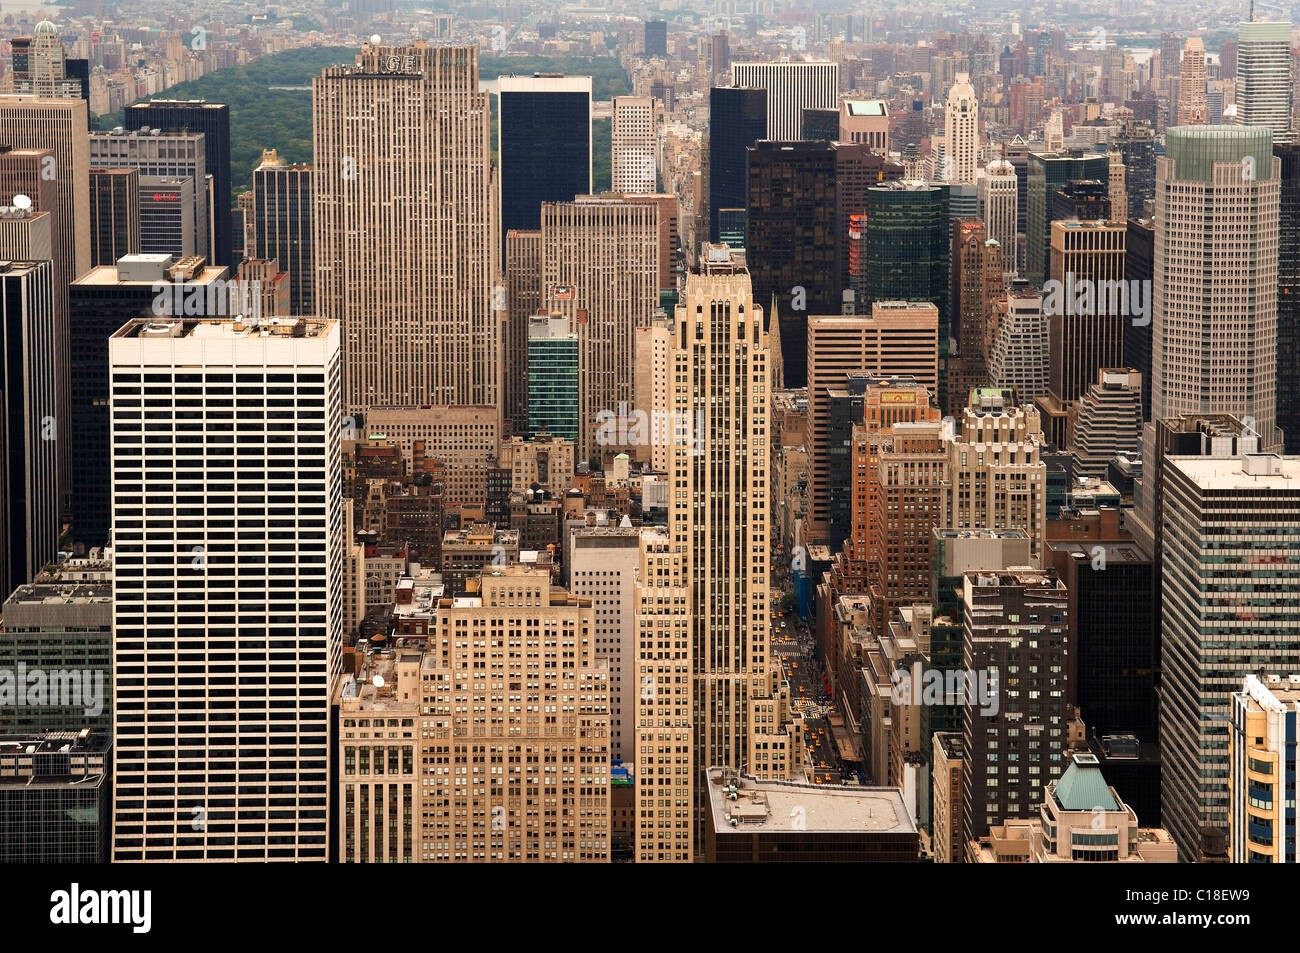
545	145
1139	265
656	38
1048	173
1288	297
909	242
737	120
282	227
213	120
790	241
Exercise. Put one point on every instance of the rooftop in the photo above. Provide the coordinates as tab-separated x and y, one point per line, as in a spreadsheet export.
768	806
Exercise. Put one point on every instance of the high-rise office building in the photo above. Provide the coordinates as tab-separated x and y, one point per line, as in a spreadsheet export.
55	797
465	438
600	269
230	639
1261	782
1230	608
414	300
1016	624
1136	146
1019	346
554	378
1192	108
737	120
897	338
1087	309
544	145
664	686
633	141
1109	421
174	186
998	191
523	273
977	281
603	565
114	215
1139	266
41	65
652	387
101	302
31	508
213	121
1118	187
57	125
1264	84
1288	294
556	807
909	243
1170	53
961	132
790	240
62	622
282	226
655	40
865	121
791	88
1048	173
1002	489
720	355
1214	344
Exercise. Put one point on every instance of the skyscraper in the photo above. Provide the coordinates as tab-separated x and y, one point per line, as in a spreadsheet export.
655	41
523	273
790	240
213	120
897	338
737	120
1264	86
633	139
998	190
554	387
57	125
600	268
1192	109
518	625
282	226
1288	295
1047	174
545	144
720	356
1230	608
41	65
29	491
909	243
174	186
1215	322
791	88
402	141
1264	716
231	637
114	215
961	132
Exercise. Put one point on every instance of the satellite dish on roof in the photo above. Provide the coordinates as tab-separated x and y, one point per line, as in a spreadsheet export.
379	681
374	39
22	201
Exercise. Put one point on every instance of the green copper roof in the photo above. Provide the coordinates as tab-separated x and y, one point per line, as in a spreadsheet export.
1082	788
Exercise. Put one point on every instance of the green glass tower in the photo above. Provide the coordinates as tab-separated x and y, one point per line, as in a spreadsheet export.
552	377
1047	173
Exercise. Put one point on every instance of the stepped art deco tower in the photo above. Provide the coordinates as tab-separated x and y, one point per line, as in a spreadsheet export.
407	251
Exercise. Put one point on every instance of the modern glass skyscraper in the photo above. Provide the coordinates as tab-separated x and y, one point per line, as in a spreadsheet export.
737	120
909	243
553	391
213	120
1264	88
544	150
1048	173
282	226
1288	295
